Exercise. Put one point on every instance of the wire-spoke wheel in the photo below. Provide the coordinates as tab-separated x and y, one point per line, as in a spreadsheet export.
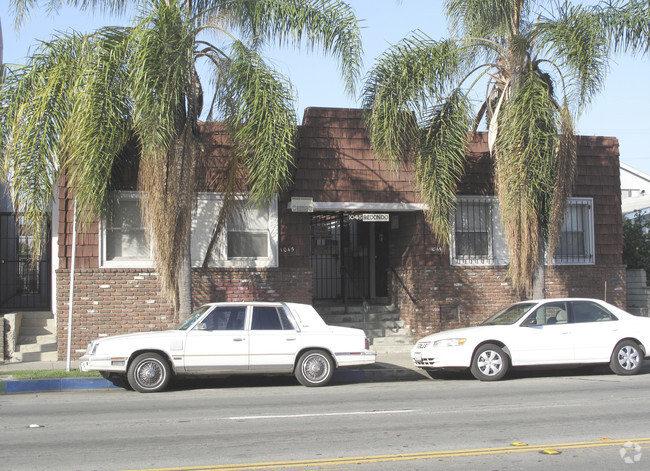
314	368
149	372
627	358
490	363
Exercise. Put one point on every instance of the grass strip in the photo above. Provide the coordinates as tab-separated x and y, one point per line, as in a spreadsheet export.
47	374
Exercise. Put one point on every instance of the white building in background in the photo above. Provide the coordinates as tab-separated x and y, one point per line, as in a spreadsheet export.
635	191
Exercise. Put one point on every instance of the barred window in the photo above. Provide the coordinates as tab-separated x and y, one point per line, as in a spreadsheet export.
576	243
477	237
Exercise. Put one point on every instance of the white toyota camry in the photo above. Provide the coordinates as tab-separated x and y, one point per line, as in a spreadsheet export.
232	338
546	332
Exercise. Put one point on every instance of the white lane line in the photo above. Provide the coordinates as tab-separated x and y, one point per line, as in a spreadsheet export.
332	414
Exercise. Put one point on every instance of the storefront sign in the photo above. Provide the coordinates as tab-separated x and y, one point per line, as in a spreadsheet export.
375	217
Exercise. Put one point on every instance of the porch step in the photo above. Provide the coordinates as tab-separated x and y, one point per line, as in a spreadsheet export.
37	340
21	357
381	323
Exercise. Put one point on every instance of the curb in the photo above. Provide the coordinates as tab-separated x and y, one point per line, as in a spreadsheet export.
14	386
17	386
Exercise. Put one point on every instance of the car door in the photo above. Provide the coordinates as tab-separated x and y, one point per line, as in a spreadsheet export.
219	343
595	331
274	340
545	336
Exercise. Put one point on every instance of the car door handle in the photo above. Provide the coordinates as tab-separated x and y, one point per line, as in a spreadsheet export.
291	339
238	340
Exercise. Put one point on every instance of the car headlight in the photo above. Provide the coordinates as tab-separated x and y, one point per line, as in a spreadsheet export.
449	342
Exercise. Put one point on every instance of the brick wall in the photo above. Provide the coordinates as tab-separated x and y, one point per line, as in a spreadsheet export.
452	297
118	301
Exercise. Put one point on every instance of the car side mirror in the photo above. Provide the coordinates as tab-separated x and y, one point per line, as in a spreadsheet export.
530	322
202	326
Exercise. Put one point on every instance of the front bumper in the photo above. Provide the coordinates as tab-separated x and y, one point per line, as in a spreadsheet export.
442	357
103	363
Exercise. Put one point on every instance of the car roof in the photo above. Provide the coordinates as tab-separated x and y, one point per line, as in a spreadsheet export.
555	300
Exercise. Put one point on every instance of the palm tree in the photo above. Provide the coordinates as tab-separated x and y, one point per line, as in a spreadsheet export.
80	99
539	69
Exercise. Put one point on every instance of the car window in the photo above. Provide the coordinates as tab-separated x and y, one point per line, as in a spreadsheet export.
585	311
509	315
194	317
549	314
266	318
225	318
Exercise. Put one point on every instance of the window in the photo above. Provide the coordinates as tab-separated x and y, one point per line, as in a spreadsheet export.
477	238
250	238
124	239
585	311
270	318
576	244
549	314
248	235
224	318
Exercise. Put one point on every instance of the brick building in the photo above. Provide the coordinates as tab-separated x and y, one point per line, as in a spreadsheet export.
349	231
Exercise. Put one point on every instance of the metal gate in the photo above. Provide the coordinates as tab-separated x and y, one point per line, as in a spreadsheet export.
24	284
348	257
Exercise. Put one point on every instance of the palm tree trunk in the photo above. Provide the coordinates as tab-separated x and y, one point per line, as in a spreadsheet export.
2	64
185	282
539	278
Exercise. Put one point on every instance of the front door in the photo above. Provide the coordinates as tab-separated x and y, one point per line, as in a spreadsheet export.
349	257
220	343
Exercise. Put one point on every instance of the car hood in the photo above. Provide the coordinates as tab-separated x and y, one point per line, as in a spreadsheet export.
139	335
466	332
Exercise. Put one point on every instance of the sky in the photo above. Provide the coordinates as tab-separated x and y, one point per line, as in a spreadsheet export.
620	110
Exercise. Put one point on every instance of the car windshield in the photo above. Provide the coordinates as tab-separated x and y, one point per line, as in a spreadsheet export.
509	315
194	317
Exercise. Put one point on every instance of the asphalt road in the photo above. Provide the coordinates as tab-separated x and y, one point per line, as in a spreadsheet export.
580	420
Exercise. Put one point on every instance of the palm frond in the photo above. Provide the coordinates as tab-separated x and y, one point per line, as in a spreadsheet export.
486	18
566	165
37	99
626	23
401	87
526	172
162	83
329	25
440	160
259	107
576	40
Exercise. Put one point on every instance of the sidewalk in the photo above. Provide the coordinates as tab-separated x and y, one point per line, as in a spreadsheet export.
389	367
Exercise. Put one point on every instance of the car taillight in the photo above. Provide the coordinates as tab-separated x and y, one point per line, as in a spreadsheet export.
367	343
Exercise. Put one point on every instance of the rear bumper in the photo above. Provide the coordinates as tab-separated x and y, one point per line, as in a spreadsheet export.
367	357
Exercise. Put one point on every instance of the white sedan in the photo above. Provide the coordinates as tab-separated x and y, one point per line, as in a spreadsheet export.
232	338
547	332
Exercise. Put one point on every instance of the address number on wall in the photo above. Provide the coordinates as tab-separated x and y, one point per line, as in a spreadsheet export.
287	250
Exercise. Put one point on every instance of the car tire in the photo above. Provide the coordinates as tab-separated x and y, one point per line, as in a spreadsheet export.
627	358
314	368
149	372
490	363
